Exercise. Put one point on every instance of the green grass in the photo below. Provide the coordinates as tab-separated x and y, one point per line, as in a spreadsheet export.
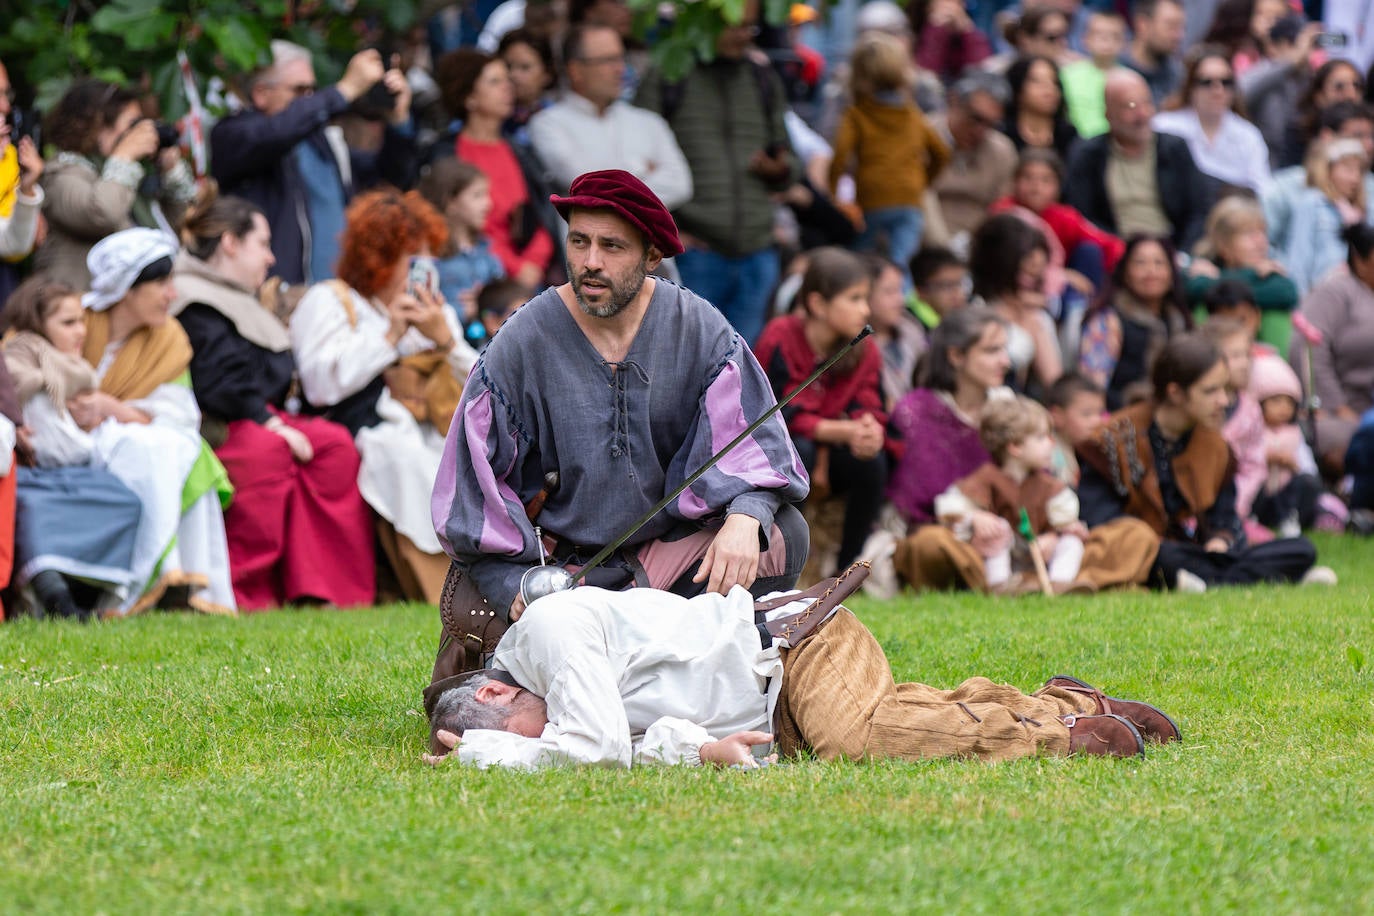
270	764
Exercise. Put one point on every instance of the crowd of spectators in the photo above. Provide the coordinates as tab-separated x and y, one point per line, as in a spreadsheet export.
230	391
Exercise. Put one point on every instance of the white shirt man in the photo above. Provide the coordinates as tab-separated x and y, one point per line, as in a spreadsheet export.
592	129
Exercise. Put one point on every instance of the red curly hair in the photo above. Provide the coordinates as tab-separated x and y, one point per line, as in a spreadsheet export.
379	228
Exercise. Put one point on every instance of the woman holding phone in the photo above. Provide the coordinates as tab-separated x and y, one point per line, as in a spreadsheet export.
378	352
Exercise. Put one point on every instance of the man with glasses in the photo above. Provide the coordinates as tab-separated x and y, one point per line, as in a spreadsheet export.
983	159
1153	51
281	154
591	129
1133	179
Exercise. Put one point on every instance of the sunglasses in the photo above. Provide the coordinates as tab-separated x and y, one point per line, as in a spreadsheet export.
1217	82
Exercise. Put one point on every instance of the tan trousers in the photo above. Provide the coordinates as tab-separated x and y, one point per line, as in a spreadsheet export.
1118	553
839	699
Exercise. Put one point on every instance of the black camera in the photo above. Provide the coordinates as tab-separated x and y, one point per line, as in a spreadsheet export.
167	136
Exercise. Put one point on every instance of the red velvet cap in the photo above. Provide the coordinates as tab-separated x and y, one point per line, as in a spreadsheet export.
618	190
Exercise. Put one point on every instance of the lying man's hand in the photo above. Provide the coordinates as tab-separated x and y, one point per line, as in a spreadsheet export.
449	740
734	749
733	557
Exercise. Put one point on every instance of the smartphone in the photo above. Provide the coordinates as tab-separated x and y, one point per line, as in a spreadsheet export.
25	123
1331	40
423	274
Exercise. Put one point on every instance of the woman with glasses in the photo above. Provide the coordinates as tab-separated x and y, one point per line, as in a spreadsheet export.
1207	112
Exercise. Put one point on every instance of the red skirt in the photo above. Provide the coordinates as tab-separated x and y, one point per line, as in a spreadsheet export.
7	485
297	532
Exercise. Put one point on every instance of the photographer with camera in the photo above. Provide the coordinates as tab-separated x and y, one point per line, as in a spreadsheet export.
282	154
20	195
114	169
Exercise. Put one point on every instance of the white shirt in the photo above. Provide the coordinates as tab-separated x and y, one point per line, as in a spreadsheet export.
336	359
571	137
1237	155
640	676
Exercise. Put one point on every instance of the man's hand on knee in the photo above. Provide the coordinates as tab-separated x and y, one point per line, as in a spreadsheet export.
733	557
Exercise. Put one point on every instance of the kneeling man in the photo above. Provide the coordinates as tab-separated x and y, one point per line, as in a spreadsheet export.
591	676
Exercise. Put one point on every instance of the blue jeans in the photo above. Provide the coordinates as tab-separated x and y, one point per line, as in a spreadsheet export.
738	287
901	227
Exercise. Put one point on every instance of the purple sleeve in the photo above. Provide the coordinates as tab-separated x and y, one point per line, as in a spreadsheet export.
482	524
761	472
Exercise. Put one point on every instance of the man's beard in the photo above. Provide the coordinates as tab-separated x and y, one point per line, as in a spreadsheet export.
621	294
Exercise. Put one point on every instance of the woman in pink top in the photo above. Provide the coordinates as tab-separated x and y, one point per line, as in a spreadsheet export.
477	89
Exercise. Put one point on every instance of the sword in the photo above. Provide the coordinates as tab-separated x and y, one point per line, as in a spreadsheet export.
539	581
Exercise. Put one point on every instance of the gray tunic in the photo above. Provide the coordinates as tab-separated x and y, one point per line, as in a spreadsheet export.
620	436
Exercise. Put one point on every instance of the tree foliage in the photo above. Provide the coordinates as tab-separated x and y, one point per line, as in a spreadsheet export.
135	42
48	43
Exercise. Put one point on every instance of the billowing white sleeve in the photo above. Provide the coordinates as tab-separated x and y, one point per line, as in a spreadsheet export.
1062	509
335	359
172	404
671	741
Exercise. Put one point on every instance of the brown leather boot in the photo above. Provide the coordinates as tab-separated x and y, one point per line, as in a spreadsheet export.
1152	723
1110	736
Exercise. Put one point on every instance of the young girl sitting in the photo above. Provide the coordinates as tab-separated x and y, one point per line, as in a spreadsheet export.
885	142
75	523
1291	497
837	423
462	193
985	507
1334	200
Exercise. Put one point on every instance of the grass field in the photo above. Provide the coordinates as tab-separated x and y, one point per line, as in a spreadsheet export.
270	764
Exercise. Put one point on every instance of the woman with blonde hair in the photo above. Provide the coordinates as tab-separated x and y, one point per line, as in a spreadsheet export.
1334	200
1236	247
378	351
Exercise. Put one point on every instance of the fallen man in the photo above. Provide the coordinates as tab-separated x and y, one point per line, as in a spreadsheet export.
590	676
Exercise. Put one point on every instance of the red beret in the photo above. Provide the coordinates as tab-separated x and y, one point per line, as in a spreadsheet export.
618	190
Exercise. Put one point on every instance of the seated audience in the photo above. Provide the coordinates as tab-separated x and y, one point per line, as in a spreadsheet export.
1237	248
1141	308
1338	368
937	423
940	285
1134	180
1243	427
75	522
982	159
146	425
1157	38
1165	462
1077	406
478	91
1007	261
462	193
497	301
1209	115
837	423
1085	80
1273	87
1037	117
95	185
1292	498
1335	199
1339	121
295	478
385	357
985	509
898	333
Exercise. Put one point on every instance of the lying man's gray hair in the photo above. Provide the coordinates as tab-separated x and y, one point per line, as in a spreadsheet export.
458	709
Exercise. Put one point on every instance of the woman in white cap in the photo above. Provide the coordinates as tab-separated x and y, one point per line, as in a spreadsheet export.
146	424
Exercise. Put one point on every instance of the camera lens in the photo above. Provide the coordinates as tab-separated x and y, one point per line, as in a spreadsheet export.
167	135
